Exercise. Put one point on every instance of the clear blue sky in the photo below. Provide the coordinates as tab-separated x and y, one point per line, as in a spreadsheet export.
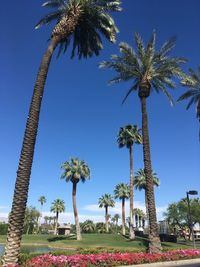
81	115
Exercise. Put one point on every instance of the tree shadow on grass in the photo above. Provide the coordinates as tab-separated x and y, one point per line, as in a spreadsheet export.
61	238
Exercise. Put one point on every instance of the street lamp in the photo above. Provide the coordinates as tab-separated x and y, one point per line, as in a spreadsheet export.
191	192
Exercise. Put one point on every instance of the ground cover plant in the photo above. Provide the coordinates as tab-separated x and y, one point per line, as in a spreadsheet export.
110	259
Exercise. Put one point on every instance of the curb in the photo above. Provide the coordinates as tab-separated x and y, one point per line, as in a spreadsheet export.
168	263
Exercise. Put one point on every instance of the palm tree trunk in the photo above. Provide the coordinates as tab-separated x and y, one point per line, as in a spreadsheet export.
154	245
123	217
56	224
78	230
131	231
16	218
106	217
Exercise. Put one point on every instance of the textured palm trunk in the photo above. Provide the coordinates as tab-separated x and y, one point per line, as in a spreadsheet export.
123	217
106	218
154	240
56	224
78	230
146	204
131	230
16	218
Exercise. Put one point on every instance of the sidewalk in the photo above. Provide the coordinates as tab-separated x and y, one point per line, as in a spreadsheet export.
192	262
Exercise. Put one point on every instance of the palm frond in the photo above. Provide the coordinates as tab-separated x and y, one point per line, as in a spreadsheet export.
133	88
54	3
48	18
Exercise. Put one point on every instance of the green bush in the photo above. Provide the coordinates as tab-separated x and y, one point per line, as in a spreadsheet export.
3	228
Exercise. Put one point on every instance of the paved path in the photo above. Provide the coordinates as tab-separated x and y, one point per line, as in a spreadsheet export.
183	263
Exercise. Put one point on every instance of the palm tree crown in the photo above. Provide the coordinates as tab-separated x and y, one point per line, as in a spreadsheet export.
75	170
192	81
91	18
42	200
122	191
106	200
140	180
129	135
146	67
58	206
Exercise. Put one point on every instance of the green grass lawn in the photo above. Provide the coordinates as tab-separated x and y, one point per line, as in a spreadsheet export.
91	241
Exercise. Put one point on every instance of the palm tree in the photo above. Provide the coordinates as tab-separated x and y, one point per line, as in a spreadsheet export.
128	136
139	215
106	201
75	170
192	81
116	218
57	207
148	70
88	226
122	191
42	201
140	183
82	22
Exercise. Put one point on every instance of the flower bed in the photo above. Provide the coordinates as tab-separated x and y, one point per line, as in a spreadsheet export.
110	259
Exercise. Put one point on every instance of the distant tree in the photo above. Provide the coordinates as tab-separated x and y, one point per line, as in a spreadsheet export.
42	201
46	218
147	69
75	170
177	214
127	137
31	219
139	215
57	207
122	192
100	227
88	226
192	81
106	201
140	183
116	218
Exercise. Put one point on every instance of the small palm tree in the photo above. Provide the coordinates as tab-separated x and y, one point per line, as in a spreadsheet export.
139	215
80	22
140	183
122	192
75	171
128	136
148	70
116	218
42	201
88	226
192	81
106	201
57	207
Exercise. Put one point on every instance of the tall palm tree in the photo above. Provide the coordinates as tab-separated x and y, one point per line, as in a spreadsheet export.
148	70
128	136
75	171
140	183
57	207
192	81
122	192
42	200
81	22
106	201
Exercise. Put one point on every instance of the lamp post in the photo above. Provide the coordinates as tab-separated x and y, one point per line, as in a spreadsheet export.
191	192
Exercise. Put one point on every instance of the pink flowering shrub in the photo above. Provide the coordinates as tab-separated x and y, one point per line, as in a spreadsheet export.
110	259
